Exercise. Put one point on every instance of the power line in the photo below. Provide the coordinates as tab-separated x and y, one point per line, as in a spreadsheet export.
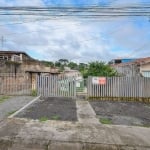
138	49
77	11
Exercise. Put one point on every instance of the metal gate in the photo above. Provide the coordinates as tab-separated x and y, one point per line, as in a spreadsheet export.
56	86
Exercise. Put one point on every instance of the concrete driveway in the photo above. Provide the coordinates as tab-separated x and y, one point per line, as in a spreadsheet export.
85	134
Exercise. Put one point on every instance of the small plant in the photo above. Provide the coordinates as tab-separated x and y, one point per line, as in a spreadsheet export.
11	112
3	98
34	93
105	121
145	125
55	117
43	119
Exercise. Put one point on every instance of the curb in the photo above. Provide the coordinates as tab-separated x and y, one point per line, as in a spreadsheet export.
24	107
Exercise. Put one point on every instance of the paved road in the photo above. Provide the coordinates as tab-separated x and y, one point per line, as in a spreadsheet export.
13	104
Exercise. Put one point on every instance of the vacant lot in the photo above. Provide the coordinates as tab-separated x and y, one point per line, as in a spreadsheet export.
51	109
122	113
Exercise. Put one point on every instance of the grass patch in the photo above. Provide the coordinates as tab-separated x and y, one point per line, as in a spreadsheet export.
146	126
55	117
43	119
11	112
34	93
3	98
105	121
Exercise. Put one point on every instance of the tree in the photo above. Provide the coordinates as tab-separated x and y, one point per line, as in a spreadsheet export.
57	64
63	62
48	63
99	69
72	65
82	67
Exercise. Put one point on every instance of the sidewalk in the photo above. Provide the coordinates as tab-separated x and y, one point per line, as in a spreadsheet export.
12	104
55	135
22	134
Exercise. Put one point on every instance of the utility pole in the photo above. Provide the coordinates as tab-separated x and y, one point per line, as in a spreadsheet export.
2	42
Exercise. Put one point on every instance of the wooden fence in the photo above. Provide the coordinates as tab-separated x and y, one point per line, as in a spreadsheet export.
119	87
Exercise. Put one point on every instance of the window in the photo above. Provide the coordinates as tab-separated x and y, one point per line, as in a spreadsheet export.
146	73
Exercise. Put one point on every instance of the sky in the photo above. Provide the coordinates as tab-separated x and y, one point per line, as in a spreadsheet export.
76	39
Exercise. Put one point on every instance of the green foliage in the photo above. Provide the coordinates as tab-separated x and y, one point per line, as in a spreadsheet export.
99	69
3	98
57	64
63	61
82	67
72	65
105	121
34	93
11	112
55	117
43	119
48	63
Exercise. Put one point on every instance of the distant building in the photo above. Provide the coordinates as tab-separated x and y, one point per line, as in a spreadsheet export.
71	73
119	61
133	67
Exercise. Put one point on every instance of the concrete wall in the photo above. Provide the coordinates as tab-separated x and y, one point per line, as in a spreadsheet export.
145	70
14	84
128	70
145	67
11	67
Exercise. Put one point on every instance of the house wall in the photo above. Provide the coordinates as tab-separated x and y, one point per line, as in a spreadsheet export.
128	70
145	70
145	67
27	65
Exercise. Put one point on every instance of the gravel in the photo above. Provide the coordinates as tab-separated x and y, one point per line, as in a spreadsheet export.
12	104
51	108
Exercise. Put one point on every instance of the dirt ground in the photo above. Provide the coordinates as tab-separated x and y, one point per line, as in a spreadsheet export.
51	109
123	113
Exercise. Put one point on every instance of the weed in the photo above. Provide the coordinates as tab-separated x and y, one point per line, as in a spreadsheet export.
145	125
34	93
55	117
3	98
105	121
42	119
11	112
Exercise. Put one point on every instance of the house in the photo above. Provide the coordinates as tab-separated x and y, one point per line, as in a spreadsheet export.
20	62
23	66
134	67
71	73
120	60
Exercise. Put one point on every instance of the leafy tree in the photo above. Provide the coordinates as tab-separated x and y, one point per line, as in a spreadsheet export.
82	66
63	61
48	63
72	65
99	69
57	64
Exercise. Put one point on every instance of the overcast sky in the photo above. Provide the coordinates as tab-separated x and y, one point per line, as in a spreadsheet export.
77	40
